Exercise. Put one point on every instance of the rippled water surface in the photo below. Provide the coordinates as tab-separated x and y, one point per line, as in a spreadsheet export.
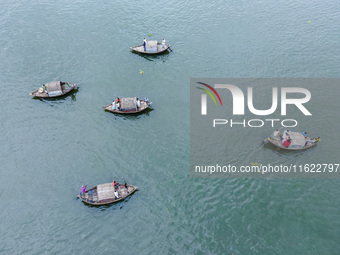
49	148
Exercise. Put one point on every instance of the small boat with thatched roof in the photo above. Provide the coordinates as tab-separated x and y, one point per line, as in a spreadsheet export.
151	47
289	140
103	194
54	89
128	105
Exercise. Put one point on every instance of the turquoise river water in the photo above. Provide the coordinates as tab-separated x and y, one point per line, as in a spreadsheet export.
49	148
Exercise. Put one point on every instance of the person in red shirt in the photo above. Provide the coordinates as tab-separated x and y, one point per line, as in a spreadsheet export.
115	185
287	143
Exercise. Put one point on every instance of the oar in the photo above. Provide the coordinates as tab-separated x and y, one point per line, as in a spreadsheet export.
264	141
169	48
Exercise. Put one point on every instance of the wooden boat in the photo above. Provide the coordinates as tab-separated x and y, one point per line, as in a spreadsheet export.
104	194
151	47
299	140
54	89
128	105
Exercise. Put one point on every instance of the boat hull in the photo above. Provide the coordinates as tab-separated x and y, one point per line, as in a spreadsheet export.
143	107
160	49
65	91
92	197
278	143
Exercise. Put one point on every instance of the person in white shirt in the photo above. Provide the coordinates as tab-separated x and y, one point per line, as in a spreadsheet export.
276	132
116	194
144	44
163	43
138	103
114	105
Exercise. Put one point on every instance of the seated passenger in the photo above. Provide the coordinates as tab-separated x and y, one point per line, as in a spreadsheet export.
287	143
127	188
116	194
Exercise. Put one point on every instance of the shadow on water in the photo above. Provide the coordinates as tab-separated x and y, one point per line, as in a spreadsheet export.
152	57
113	206
71	95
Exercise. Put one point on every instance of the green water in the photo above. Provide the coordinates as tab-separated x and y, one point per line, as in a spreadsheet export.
49	148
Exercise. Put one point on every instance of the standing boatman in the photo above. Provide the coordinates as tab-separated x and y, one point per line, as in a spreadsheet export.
83	189
144	44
